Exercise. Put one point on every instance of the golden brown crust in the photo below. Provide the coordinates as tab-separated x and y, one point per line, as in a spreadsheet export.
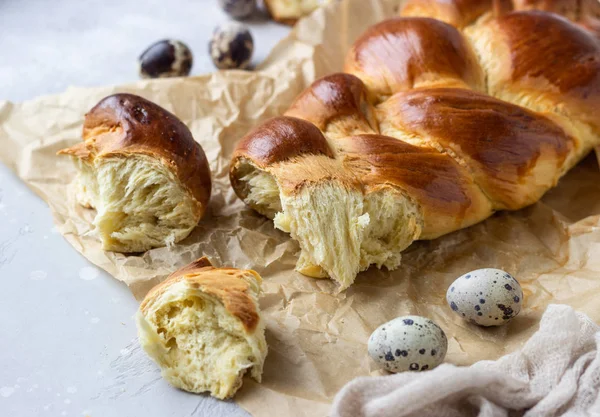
281	138
502	144
226	284
571	9
277	140
79	150
533	35
445	191
422	117
541	44
461	13
335	97
124	124
404	53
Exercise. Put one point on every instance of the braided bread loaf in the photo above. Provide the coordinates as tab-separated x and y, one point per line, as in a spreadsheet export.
429	130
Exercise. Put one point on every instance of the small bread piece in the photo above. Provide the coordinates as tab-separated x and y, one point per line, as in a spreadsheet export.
290	11
202	326
142	171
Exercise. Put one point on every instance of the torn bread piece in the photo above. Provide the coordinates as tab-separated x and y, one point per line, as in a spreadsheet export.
203	327
142	171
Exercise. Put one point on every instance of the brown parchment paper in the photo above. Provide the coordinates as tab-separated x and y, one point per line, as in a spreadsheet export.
317	338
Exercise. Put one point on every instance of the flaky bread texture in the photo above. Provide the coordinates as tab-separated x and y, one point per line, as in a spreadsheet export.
202	326
430	129
142	171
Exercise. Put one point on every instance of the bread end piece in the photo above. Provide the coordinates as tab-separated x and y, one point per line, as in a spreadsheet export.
142	171
202	326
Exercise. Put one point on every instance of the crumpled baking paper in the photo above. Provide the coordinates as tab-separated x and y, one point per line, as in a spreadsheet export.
317	338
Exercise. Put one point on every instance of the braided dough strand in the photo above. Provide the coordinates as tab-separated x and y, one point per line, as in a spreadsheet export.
439	120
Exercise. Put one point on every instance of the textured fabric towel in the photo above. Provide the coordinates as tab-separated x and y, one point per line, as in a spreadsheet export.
556	373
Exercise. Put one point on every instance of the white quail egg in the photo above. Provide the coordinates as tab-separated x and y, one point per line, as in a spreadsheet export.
488	297
408	343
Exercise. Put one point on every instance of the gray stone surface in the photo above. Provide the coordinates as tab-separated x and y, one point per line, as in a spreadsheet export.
67	336
48	45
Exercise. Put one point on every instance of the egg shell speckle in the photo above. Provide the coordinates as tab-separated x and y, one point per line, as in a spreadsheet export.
408	343
231	46
166	58
487	297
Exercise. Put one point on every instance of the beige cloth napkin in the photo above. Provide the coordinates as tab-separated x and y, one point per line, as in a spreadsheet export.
556	373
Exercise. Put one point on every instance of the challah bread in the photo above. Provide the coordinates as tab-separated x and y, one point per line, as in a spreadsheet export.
202	326
429	130
142	171
461	13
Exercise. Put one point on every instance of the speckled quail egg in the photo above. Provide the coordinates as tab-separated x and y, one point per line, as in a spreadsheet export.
238	9
488	297
231	46
166	58
408	343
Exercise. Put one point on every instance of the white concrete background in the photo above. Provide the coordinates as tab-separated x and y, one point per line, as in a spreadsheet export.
67	336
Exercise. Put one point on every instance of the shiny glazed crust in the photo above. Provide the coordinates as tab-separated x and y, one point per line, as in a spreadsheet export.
225	284
124	125
464	108
461	13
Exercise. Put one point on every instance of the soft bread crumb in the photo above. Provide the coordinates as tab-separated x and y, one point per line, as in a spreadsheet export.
198	343
263	192
341	231
394	223
139	203
324	221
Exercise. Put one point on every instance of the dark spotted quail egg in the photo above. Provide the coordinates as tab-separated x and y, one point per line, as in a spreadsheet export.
238	9
409	343
488	297
231	46
166	58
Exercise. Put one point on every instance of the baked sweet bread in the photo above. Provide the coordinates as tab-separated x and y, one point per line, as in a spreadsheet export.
202	326
430	129
142	171
461	13
289	11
